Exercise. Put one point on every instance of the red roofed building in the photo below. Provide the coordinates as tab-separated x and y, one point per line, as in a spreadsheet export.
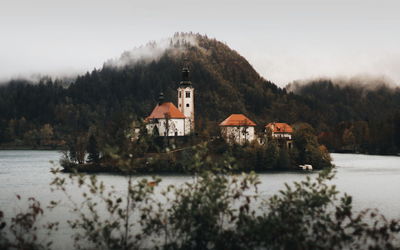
166	108
166	119
281	131
237	128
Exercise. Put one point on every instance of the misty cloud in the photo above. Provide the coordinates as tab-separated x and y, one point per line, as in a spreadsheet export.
365	82
152	51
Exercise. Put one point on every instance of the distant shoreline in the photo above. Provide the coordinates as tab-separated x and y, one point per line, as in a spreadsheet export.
6	147
51	148
92	169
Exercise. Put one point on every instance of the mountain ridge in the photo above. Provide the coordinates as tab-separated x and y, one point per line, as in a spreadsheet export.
224	82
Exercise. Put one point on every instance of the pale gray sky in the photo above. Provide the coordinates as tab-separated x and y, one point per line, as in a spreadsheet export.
284	40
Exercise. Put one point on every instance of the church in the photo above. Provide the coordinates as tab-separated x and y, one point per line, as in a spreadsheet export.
168	120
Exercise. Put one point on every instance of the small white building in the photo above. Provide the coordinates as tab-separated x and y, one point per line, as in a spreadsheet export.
237	128
279	130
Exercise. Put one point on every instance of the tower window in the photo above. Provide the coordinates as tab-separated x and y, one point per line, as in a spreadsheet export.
187	94
187	104
180	94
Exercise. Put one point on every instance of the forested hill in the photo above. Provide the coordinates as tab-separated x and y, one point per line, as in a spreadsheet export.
351	99
127	89
224	81
359	114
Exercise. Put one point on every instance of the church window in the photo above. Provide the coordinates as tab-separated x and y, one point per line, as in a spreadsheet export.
180	94
187	104
187	94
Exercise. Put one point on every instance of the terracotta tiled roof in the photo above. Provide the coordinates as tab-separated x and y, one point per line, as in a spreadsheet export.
279	127
166	108
237	120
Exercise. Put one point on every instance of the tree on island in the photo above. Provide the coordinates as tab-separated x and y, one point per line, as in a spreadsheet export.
309	150
93	150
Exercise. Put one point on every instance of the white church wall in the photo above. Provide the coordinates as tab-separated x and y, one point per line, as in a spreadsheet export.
176	127
187	126
282	136
238	134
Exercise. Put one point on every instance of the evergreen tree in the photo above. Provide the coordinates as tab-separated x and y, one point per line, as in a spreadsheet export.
271	154
284	158
93	150
155	131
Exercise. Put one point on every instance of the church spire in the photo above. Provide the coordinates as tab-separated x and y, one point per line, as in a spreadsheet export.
161	98
185	74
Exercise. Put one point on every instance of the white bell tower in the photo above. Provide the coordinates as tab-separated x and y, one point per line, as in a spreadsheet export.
186	100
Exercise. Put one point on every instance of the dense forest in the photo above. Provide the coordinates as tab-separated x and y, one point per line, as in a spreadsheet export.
54	113
354	116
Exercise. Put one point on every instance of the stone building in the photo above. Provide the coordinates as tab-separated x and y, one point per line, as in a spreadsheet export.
237	128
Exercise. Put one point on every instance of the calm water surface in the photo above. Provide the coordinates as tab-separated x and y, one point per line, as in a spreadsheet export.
373	181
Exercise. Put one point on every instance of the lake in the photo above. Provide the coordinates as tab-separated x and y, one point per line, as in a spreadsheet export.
373	181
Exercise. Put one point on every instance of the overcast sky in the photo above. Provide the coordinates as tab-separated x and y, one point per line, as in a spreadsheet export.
284	40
